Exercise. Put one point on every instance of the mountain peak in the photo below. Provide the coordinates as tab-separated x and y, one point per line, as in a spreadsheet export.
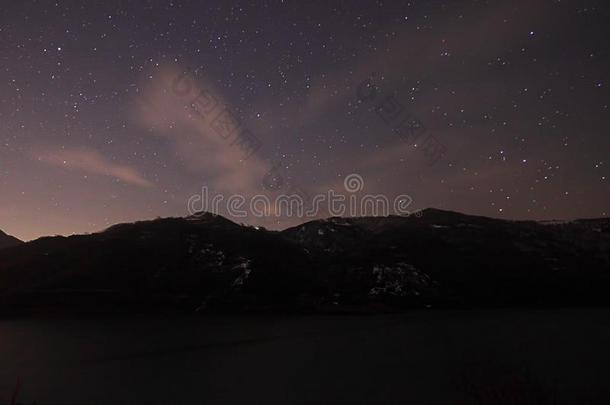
209	218
8	240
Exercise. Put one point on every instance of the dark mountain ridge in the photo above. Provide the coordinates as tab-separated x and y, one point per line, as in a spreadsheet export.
205	261
8	240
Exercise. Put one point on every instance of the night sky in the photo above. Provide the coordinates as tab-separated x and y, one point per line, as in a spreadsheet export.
94	132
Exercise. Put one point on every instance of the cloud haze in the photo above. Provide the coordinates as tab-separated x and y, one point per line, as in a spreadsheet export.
91	161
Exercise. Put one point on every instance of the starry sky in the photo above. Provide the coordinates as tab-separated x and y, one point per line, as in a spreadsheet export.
95	128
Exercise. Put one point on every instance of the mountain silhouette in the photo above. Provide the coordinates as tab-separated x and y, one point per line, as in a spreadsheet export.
207	262
8	240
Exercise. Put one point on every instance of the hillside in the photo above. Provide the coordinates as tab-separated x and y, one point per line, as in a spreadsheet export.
8	240
435	258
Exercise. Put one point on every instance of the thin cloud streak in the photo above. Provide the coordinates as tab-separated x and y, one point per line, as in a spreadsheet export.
91	161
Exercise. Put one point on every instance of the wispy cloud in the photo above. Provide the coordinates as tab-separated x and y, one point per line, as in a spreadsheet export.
91	161
200	148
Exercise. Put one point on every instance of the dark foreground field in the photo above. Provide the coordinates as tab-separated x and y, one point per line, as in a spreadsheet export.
491	357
